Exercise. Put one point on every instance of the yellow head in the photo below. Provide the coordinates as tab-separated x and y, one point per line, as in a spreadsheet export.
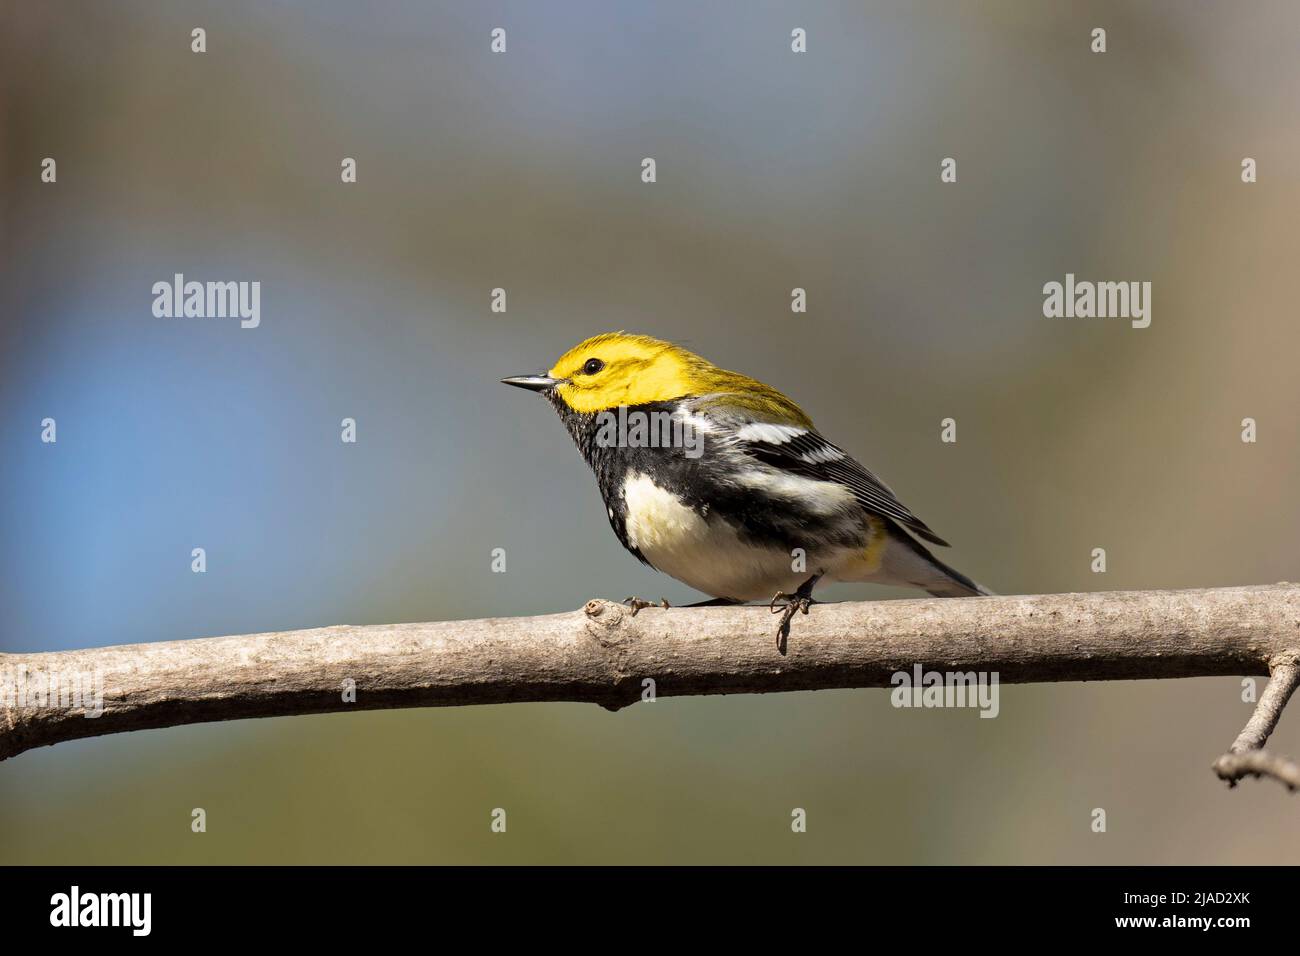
618	368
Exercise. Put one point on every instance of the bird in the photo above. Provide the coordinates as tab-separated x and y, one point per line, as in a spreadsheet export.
725	484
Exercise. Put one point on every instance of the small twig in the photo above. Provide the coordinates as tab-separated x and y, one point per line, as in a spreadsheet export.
1257	763
1246	757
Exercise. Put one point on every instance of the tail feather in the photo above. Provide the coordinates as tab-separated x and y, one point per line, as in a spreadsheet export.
909	562
958	584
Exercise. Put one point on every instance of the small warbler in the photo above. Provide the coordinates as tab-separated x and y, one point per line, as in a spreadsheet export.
723	483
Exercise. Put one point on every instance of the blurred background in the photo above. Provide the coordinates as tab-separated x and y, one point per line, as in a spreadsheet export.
522	171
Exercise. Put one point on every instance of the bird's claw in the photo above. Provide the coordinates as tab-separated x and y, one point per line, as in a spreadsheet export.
787	605
636	604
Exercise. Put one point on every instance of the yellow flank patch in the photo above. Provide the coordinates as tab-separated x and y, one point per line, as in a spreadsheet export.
864	565
638	370
875	552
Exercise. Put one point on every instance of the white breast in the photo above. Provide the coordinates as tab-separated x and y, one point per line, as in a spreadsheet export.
704	552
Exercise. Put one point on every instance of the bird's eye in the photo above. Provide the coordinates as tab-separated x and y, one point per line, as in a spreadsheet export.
592	367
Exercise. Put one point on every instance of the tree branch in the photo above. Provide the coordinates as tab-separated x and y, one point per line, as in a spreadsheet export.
604	655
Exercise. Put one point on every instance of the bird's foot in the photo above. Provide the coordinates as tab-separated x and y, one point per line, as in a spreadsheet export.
636	604
788	605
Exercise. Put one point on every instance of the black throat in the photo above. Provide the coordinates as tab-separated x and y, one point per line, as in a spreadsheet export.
611	462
